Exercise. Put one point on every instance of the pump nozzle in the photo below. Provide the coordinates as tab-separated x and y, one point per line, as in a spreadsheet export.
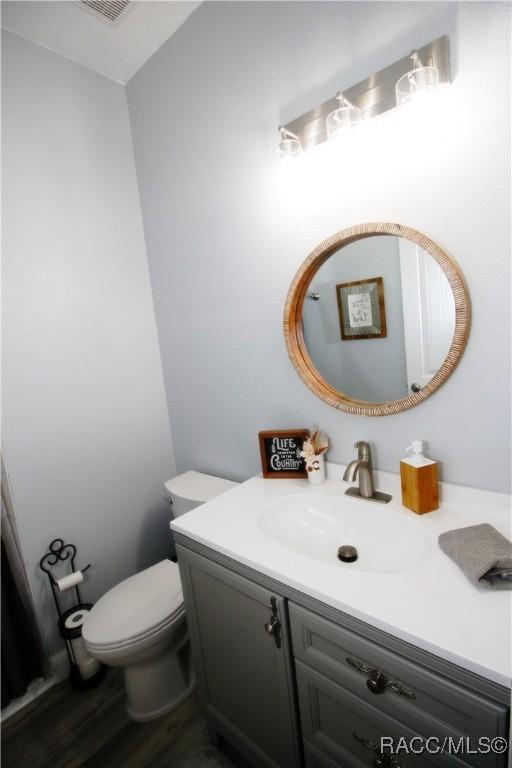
416	447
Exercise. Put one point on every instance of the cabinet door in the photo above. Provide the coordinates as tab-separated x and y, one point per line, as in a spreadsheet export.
244	673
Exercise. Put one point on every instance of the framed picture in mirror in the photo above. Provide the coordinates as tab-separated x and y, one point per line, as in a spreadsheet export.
362	309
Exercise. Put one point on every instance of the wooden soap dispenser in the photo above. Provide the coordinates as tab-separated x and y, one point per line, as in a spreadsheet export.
418	476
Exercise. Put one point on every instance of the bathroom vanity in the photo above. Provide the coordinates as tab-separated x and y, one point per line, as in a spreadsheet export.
303	660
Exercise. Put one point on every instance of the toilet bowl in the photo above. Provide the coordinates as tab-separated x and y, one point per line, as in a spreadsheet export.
140	624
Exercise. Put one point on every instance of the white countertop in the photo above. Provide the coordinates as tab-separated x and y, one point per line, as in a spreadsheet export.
433	606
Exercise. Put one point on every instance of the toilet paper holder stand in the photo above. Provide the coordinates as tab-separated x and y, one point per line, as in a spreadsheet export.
59	552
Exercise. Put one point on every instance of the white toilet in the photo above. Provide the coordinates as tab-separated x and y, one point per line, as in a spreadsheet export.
140	624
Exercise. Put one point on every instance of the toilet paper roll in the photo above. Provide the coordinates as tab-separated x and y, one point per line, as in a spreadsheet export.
79	651
69	581
86	664
76	619
89	668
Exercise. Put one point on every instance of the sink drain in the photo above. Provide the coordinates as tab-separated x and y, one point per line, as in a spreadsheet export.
347	554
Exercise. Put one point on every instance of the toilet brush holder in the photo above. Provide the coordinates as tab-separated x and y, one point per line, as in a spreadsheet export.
85	672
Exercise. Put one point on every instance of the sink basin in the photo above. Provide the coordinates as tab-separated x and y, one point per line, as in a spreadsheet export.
316	526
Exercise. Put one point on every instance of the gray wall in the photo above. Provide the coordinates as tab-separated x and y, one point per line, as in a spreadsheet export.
225	231
366	369
86	432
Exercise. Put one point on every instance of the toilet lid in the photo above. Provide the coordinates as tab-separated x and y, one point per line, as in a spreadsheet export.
135	606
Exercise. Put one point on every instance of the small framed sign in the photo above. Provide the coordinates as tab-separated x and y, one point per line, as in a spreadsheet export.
361	309
280	453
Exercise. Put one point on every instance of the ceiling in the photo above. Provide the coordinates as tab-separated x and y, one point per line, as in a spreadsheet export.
114	50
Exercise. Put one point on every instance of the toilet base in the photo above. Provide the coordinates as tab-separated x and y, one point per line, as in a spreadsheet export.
159	685
143	717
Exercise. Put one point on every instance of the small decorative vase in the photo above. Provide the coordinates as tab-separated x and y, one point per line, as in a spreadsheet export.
315	468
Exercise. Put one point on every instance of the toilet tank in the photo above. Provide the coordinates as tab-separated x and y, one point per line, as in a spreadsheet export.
191	489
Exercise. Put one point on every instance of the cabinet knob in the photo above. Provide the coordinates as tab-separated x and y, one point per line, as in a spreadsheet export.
273	627
382	759
377	681
415	387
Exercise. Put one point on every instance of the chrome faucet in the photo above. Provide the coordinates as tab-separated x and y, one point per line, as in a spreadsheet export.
362	469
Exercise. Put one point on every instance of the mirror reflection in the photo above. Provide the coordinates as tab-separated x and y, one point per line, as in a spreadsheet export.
379	318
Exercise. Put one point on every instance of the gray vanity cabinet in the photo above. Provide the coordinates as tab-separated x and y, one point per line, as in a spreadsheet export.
326	688
240	646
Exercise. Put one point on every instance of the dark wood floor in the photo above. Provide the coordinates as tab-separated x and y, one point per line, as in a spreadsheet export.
67	729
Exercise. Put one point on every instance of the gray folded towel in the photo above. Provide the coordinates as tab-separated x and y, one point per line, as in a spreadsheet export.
483	554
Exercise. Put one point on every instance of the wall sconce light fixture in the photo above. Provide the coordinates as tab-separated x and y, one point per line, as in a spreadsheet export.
420	81
345	117
384	90
290	145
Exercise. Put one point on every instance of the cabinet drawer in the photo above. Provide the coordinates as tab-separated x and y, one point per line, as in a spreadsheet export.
412	693
348	732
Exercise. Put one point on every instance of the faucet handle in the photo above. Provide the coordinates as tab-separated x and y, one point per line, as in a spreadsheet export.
363	449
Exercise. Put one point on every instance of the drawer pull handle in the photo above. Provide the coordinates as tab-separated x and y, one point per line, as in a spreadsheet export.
273	627
378	681
382	759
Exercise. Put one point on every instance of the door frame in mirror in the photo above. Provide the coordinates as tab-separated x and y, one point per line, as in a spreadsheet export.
293	330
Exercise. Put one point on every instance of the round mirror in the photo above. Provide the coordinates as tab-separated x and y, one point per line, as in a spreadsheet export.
376	319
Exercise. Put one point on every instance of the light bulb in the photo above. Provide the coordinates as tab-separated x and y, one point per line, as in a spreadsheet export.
342	119
289	146
417	83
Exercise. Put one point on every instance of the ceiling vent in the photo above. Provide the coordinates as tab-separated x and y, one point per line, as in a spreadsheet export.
108	10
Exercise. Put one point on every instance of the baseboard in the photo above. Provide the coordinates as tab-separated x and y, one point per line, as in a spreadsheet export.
59	663
35	689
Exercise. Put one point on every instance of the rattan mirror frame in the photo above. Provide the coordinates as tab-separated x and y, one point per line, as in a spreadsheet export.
293	331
